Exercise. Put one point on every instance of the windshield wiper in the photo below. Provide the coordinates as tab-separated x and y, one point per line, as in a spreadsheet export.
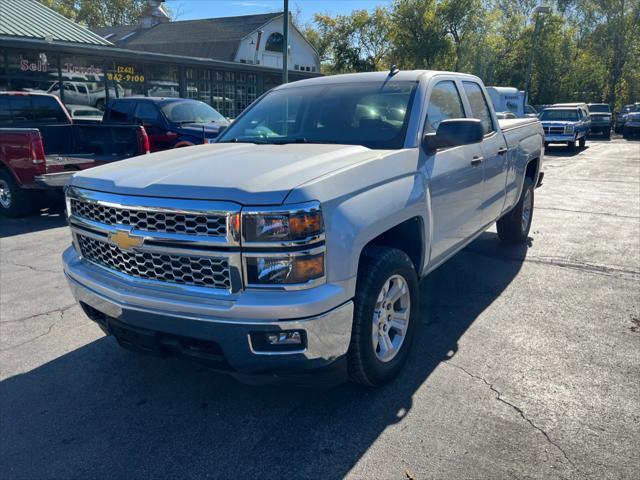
244	140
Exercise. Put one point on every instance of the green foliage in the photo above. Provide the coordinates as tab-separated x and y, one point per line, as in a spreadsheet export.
99	13
586	50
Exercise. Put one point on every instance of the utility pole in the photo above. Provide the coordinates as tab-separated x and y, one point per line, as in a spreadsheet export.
527	86
285	47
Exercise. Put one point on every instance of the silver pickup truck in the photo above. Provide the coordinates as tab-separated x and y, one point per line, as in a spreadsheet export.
295	244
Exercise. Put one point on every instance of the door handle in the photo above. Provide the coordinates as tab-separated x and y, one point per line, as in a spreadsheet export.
502	150
477	161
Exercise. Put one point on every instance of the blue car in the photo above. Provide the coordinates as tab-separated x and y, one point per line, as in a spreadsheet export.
169	122
565	124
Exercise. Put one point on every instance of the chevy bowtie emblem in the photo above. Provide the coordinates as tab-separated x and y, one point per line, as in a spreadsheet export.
125	240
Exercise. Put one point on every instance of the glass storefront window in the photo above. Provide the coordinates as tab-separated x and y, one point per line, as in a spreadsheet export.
125	79
204	86
33	71
192	86
83	81
162	80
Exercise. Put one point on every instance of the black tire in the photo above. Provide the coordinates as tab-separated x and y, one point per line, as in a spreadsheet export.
510	227
18	202
582	142
607	134
377	266
572	146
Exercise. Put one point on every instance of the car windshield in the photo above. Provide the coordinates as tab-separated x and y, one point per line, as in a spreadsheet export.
599	108
191	112
371	114
561	115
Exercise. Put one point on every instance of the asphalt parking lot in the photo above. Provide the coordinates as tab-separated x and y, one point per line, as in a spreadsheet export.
526	365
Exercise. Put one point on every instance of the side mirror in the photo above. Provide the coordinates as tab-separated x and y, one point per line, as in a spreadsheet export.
453	133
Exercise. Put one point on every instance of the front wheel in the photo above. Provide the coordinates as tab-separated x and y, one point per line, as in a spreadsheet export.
572	146
583	142
514	227
607	133
385	316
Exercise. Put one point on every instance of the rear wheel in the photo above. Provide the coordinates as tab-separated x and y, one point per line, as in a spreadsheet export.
385	316
15	201
514	227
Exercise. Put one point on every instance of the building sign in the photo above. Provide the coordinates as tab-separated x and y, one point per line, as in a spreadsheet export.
125	73
39	66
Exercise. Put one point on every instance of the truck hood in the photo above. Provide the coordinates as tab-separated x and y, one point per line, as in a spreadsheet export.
243	173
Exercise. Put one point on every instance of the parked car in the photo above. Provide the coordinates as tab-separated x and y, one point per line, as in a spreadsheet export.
83	93
41	148
169	122
622	115
84	114
565	124
631	125
295	243
600	114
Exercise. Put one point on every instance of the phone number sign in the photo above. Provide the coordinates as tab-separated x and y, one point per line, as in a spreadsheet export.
125	74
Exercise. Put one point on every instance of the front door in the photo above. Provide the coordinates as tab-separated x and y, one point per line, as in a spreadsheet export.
456	177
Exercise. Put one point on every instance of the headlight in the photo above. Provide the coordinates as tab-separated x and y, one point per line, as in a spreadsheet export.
267	231
300	224
568	129
285	269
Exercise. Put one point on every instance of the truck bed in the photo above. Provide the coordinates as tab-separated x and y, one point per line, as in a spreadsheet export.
511	123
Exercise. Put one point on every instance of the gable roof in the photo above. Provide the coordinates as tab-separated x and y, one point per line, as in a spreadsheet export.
216	38
31	19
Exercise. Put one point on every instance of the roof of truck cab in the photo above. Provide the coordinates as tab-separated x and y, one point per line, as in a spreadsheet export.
401	75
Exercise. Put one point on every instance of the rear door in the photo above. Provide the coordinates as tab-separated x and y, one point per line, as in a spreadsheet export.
148	115
456	176
494	153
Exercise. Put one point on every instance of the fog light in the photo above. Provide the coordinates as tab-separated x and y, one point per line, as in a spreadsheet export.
293	341
284	338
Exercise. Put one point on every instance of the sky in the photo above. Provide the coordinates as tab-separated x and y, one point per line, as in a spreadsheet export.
194	9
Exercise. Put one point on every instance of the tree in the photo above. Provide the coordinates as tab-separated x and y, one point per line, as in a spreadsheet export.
99	13
419	35
351	43
461	18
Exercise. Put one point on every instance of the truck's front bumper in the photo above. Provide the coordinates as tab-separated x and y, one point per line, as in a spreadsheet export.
559	138
144	322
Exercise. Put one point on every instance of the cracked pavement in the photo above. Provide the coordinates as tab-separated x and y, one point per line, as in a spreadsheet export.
525	365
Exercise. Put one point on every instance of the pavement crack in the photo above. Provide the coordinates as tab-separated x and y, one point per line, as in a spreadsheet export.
517	409
61	310
12	347
606	214
618	271
35	269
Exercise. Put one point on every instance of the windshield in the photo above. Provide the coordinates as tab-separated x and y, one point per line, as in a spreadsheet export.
561	115
599	108
191	112
370	114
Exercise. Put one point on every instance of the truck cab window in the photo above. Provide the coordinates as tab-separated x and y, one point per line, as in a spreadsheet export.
444	104
119	112
146	114
479	106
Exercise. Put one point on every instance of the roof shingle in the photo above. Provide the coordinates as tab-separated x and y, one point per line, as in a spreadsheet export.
216	38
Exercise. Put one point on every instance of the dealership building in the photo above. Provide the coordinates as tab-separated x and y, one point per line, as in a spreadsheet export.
226	62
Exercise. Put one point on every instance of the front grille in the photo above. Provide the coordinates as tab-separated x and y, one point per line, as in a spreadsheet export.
150	221
201	271
553	130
